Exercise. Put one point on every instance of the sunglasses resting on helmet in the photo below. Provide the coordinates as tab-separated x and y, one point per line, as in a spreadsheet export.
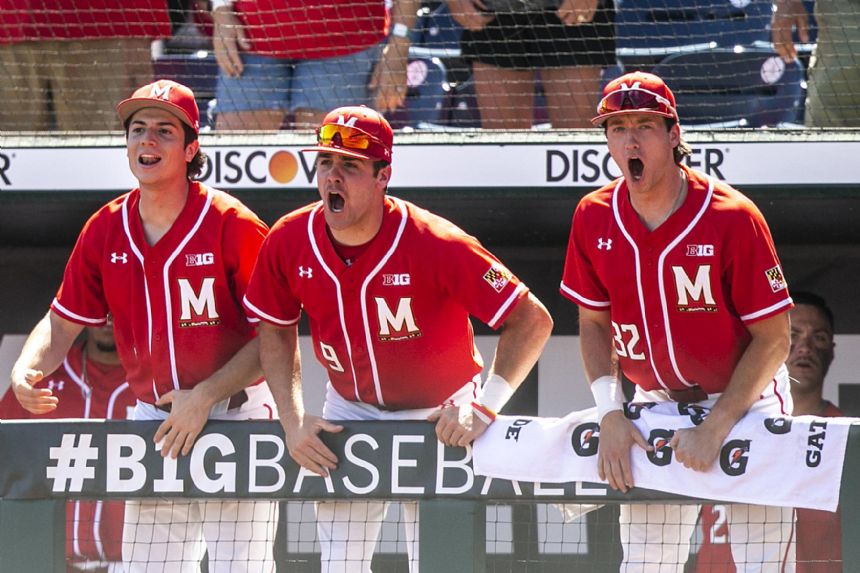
336	135
633	99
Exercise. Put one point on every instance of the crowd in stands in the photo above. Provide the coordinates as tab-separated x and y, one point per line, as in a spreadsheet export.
512	64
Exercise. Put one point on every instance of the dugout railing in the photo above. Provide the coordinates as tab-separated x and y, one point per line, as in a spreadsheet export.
45	463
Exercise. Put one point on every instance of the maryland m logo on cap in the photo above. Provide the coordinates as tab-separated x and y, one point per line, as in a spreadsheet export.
168	95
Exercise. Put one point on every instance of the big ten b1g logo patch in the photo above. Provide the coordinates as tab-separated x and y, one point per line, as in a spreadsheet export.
585	439
659	439
734	457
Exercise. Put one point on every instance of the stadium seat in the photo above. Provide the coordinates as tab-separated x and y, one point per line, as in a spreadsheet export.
648	30
198	71
463	112
427	98
436	34
744	87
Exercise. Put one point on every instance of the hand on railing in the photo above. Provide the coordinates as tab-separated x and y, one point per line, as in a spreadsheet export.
305	446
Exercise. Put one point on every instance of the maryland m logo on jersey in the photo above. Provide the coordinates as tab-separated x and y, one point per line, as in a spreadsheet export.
694	295
198	308
398	325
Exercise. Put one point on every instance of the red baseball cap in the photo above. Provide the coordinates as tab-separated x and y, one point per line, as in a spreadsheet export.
164	94
356	131
636	92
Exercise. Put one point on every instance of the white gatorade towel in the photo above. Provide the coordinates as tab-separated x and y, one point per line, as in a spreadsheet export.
778	461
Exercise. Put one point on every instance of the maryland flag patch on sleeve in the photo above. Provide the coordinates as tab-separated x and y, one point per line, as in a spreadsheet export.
775	278
497	277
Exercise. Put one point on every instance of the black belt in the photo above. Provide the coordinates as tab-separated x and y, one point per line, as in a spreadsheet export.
688	395
236	400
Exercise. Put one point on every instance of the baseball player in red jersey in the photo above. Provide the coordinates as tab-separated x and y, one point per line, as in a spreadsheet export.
819	533
388	289
170	260
676	274
90	384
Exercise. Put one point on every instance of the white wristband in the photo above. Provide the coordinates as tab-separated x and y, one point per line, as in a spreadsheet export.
221	3
606	396
495	393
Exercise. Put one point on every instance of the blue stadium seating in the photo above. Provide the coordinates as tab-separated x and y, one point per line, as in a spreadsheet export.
436	33
427	99
744	87
648	30
428	94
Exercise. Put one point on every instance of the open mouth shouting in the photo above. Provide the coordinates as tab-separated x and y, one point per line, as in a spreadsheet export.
636	168
335	202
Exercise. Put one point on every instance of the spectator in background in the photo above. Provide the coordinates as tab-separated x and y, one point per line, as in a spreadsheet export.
85	55
91	385
819	533
832	99
512	43
280	57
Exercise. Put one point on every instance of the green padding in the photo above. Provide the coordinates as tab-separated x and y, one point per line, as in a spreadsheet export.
849	499
33	536
453	536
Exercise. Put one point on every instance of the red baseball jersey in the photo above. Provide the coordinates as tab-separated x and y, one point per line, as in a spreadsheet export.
393	328
679	297
819	536
100	391
177	305
312	30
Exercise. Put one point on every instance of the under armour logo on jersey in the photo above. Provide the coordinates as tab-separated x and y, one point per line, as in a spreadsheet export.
306	272
56	385
604	244
119	258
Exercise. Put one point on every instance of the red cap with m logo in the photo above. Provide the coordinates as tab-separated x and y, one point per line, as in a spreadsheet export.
636	92
164	94
355	131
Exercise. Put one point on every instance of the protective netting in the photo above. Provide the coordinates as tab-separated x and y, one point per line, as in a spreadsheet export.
520	537
501	64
